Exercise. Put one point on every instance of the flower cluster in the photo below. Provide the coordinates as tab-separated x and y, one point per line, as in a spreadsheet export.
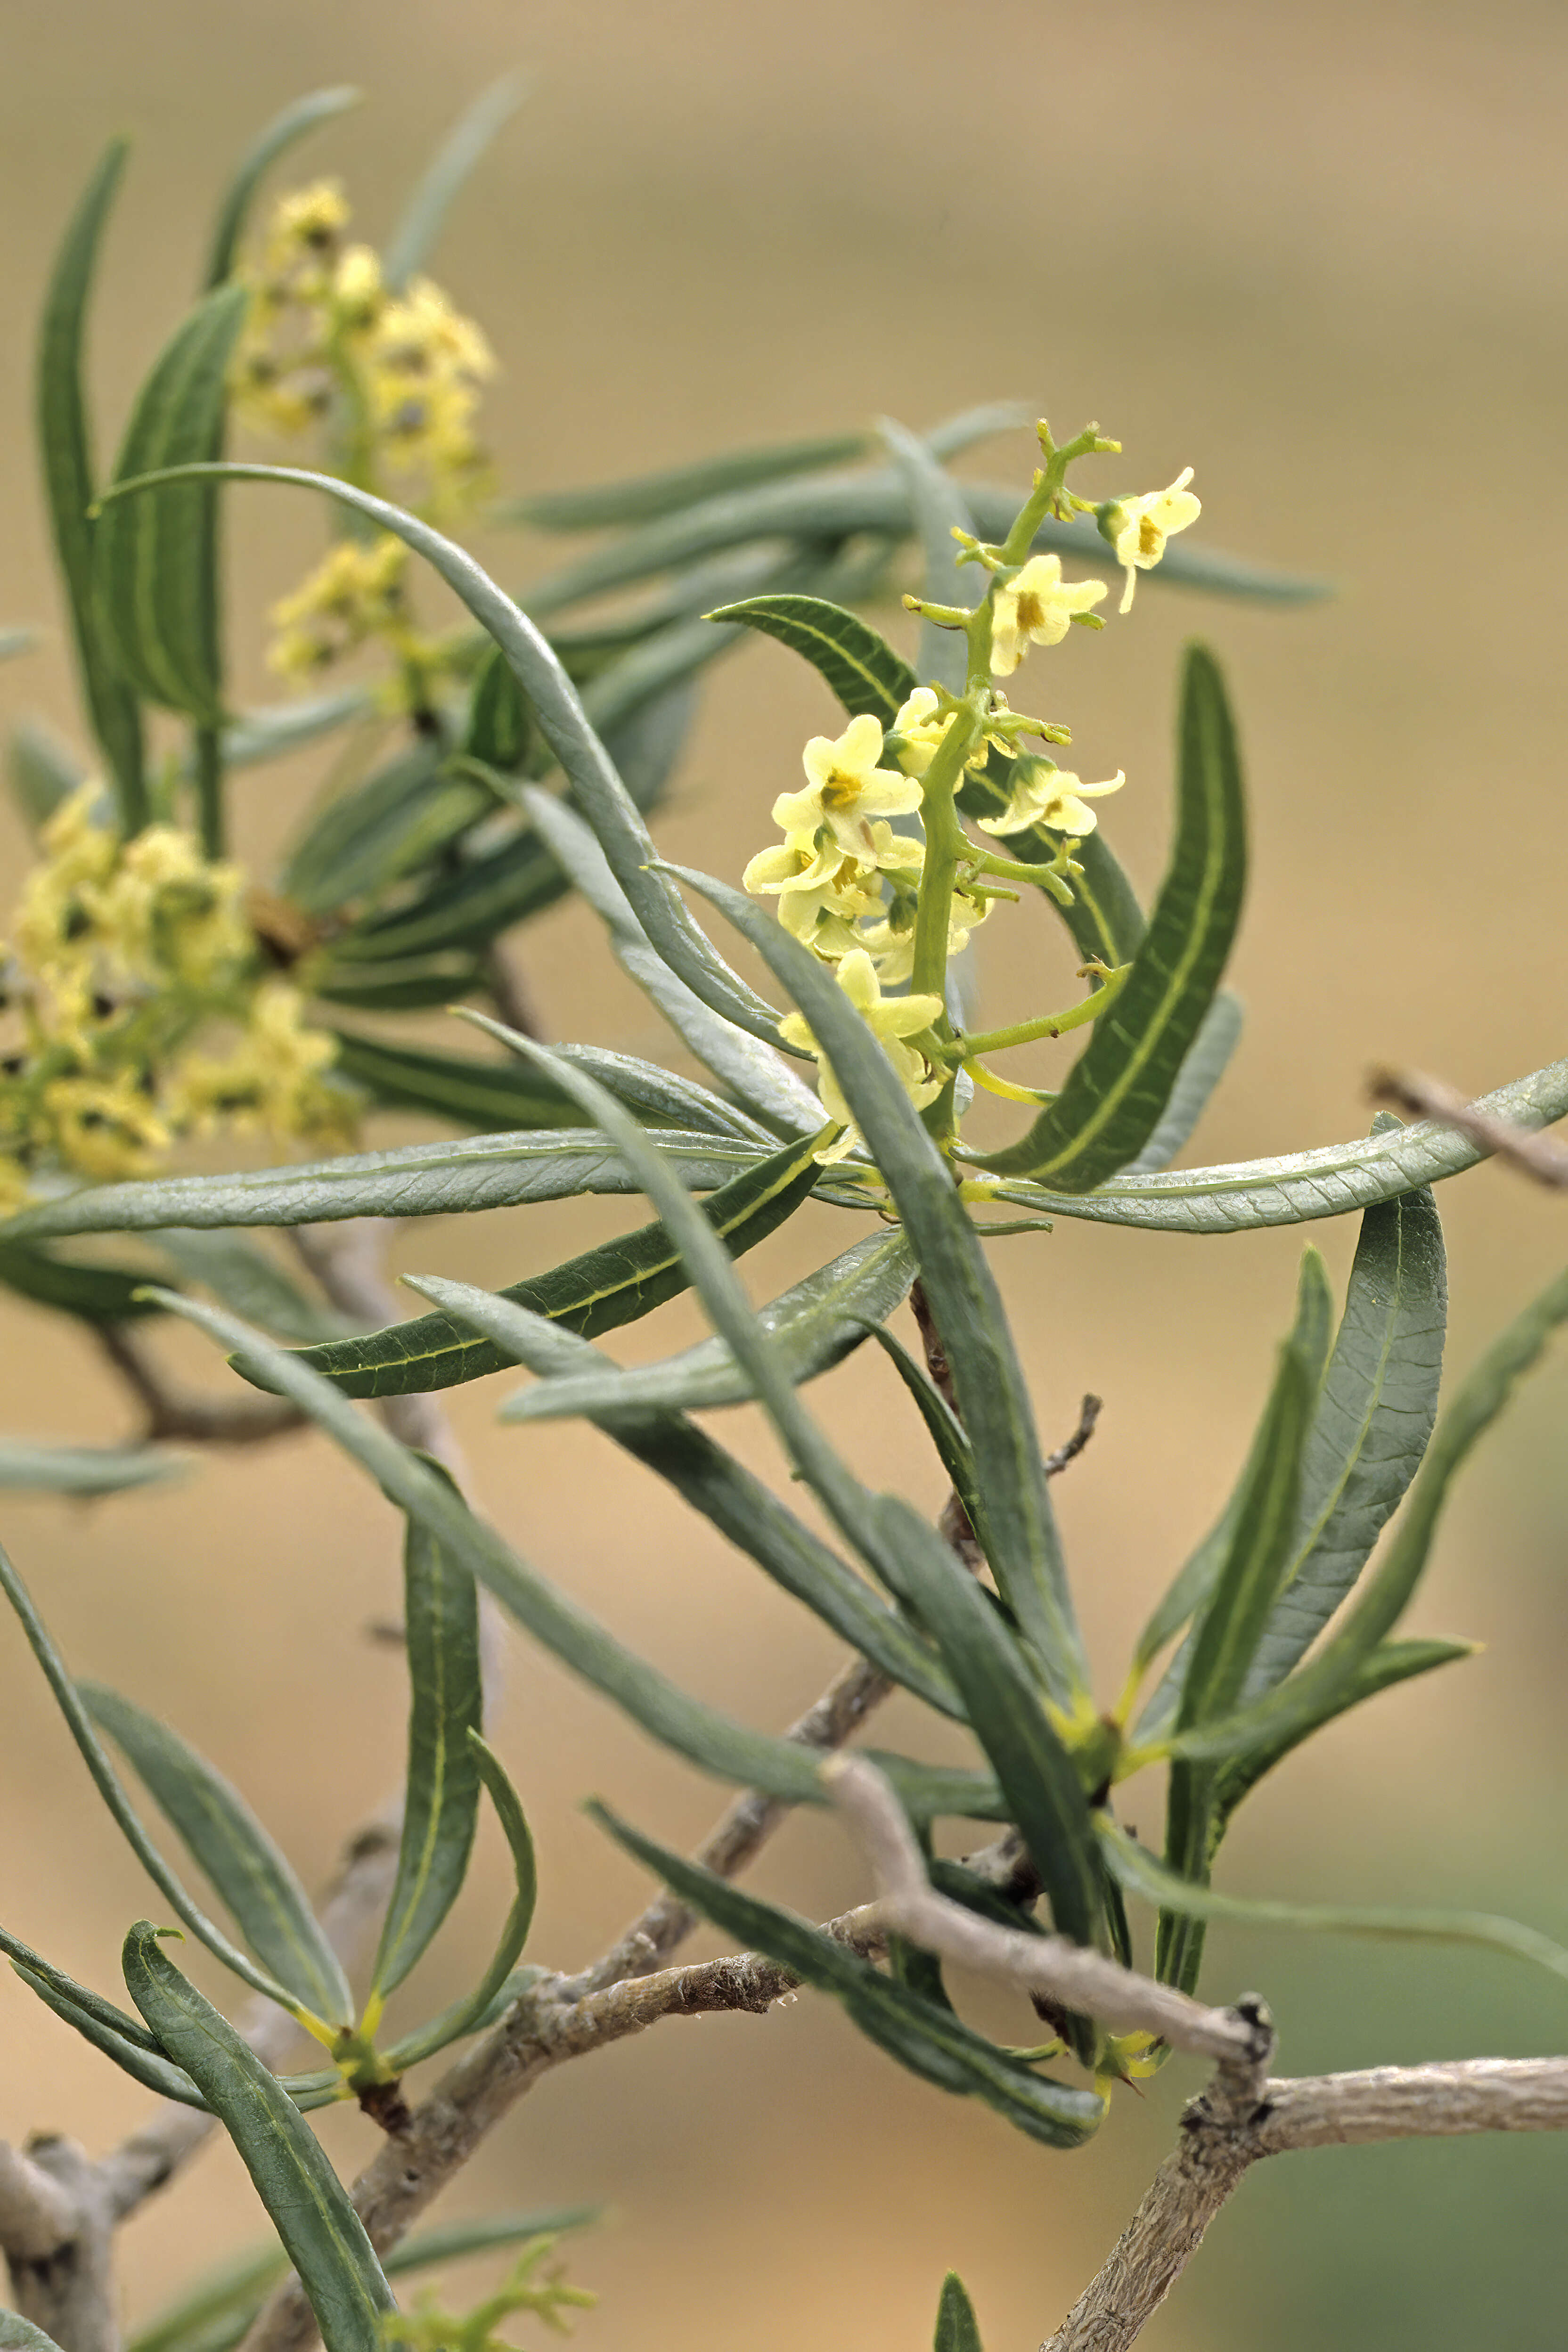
394	377
862	877
127	953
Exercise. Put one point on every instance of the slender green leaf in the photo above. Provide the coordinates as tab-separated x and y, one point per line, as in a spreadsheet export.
1380	1669
229	1846
619	1282
65	448
155	560
1118	1088
1207	1059
1140	1875
276	729
147	2066
662	1098
1303	1695
96	1294
20	2335
422	1180
702	1734
947	1431
85	1470
606	801
843	505
1371	1426
745	1510
649	496
449	2241
284	130
938	509
1310	1334
814	1325
441	1806
1037	1774
397	822
500	730
492	1096
414	240
957	2329
45	1978
927	2039
466	2016
307	2203
42	773
104	1778
410	984
242	1276
966	1306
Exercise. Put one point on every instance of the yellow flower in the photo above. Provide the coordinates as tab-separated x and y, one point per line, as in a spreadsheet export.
105	1129
893	1020
916	733
355	593
845	791
274	1078
1037	608
168	913
357	295
1139	528
1050	796
822	894
53	927
304	231
891	942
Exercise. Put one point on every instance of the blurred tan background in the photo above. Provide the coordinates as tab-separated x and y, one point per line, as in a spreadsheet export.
1318	252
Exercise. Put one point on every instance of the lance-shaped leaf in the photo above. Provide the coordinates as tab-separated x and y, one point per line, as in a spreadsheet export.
45	1978
966	1306
1118	1089
1371	1428
65	449
938	509
843	505
1140	1874
20	2335
407	984
500	730
1037	1776
709	1739
947	1431
499	1098
398	821
97	1294
86	1470
957	2329
229	1846
441	1803
1207	1059
600	1290
276	729
921	2035
466	2016
155	561
1303	1696
414	240
606	803
1310	1334
282	133
814	1325
106	1782
241	1274
743	1509
422	1180
148	2067
1380	1669
606	505
307	2203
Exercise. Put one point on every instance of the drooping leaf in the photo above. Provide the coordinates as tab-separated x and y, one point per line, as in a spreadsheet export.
414	240
154	560
743	1508
1372	1423
814	1325
1380	1669
229	1846
85	1470
1037	1776
96	1294
1118	1088
617	1283
306	2202
46	1978
422	1180
609	808
965	1304
464	2016
1207	1059
701	1733
1303	1696
147	2066
441	1803
928	2040
1139	1872
65	449
607	506
106	1782
284	130
957	2329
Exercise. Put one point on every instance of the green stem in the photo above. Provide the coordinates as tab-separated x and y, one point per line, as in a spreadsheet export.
207	761
1047	1024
